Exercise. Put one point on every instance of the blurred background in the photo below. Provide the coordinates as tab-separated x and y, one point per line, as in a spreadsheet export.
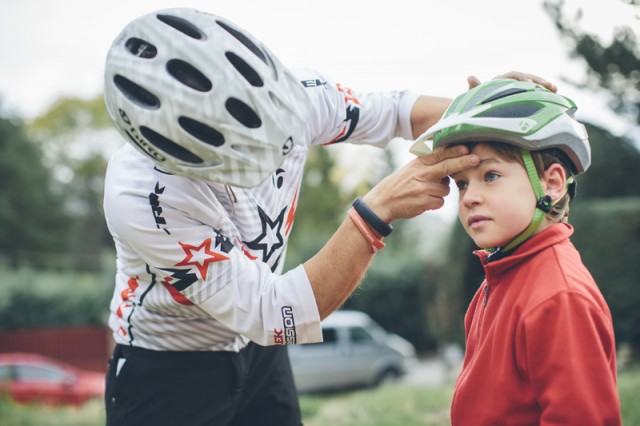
56	257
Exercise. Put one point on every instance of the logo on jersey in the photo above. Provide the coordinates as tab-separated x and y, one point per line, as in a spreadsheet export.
292	213
200	256
154	201
221	242
177	281
313	83
352	115
286	335
278	178
288	146
128	302
270	239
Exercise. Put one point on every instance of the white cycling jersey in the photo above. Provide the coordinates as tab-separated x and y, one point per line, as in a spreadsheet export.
199	264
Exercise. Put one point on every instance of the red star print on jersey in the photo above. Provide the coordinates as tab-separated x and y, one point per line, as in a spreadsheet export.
200	256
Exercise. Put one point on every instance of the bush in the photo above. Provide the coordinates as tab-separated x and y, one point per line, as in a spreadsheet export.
607	234
395	294
31	298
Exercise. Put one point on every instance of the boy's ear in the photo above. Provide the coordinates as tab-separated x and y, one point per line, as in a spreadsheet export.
554	181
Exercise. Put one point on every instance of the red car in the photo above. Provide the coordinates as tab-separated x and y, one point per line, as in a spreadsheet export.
30	378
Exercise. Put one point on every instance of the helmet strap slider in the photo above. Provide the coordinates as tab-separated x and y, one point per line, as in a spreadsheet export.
544	203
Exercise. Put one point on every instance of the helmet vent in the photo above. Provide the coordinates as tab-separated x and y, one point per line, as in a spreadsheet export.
182	25
135	93
201	131
243	113
170	147
504	93
245	69
188	75
141	48
272	64
276	101
242	38
512	111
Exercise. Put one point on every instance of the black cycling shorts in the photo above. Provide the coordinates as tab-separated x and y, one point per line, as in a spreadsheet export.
252	387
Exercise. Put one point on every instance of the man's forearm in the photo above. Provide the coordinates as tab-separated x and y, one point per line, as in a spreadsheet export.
336	270
426	112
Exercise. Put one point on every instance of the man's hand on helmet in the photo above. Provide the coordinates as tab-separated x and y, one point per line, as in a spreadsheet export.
473	81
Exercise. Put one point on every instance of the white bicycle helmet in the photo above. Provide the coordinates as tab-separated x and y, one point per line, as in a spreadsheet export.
202	97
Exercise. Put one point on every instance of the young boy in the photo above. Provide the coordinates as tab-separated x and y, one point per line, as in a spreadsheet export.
540	348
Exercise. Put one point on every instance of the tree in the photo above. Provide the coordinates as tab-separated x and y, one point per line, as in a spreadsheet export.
32	217
70	133
320	210
612	222
614	67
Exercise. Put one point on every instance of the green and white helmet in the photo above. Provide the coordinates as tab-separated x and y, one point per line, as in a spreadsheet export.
514	112
517	113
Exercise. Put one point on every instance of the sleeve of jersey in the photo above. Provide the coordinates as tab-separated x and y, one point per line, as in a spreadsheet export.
565	348
340	114
200	267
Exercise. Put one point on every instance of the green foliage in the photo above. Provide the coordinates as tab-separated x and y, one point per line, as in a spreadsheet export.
462	276
32	299
65	130
69	114
32	217
629	388
614	67
384	406
321	208
615	163
607	234
12	414
395	292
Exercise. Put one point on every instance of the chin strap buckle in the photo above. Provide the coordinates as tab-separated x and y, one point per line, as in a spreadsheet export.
544	203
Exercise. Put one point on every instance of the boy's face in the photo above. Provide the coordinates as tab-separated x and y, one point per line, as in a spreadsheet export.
496	199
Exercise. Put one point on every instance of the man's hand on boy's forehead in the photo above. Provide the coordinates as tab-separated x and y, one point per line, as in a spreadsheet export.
450	160
473	81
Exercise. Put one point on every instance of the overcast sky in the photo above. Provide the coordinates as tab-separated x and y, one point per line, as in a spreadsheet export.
57	48
54	48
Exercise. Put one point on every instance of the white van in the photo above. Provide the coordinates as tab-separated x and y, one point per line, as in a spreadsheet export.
356	352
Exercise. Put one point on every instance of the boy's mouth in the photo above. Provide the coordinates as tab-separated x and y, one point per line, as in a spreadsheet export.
476	221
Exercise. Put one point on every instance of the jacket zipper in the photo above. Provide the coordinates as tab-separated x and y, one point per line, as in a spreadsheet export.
485	300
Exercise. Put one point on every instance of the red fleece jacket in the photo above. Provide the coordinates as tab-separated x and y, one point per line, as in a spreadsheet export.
540	343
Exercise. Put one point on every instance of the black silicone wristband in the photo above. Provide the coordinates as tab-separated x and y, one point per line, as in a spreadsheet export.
371	218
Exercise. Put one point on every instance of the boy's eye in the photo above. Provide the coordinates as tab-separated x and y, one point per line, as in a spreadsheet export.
461	184
491	176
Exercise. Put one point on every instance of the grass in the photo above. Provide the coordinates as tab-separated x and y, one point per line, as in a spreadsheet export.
90	414
393	405
629	387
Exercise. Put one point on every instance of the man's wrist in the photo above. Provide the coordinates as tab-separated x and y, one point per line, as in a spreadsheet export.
378	208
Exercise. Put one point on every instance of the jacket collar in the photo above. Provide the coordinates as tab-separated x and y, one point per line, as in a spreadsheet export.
554	234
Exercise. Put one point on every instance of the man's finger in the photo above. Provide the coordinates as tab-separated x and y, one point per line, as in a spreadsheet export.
452	166
516	75
473	81
441	154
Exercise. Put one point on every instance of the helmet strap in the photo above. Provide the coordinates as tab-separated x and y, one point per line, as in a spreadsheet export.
543	203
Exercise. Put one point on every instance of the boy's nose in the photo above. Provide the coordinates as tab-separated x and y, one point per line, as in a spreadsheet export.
472	195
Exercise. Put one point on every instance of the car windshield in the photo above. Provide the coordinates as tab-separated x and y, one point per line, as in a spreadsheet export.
30	373
360	335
